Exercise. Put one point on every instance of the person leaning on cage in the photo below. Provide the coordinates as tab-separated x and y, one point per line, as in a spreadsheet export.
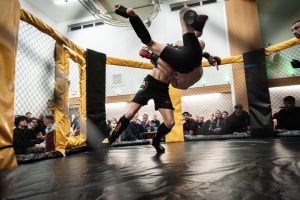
186	60
296	31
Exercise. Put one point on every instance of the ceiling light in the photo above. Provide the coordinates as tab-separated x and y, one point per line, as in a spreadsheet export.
62	2
92	7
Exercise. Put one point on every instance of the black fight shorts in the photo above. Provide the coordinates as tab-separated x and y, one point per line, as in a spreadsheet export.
156	90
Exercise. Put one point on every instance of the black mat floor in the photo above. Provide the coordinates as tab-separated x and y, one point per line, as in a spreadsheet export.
228	169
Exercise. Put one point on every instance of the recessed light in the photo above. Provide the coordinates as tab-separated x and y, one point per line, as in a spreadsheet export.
62	2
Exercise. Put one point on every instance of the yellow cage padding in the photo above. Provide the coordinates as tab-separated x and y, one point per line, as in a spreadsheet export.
9	28
61	95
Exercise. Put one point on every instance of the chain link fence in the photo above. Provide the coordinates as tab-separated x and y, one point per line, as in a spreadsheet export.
122	83
35	72
74	95
284	80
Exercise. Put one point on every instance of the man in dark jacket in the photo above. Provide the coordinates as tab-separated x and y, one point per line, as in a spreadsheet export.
238	121
289	116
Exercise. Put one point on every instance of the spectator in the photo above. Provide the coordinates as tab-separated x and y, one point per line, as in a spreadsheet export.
147	125
113	123
155	121
296	31
207	125
49	123
134	130
289	116
28	115
224	117
41	126
75	122
21	139
33	128
238	121
199	124
296	28
189	124
216	124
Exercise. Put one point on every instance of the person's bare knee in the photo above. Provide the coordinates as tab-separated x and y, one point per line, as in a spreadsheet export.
156	47
169	123
129	115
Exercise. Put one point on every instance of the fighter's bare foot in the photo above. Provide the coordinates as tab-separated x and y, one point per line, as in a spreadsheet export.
123	11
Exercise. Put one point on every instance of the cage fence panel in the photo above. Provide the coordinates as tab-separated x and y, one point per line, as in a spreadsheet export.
284	79
35	72
210	94
122	83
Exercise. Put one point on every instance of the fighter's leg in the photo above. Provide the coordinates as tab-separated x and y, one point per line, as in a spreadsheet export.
136	23
163	129
124	121
139	28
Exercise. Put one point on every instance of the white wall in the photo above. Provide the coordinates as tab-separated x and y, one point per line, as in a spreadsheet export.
28	7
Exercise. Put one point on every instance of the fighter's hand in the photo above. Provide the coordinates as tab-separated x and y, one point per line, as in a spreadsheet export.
215	61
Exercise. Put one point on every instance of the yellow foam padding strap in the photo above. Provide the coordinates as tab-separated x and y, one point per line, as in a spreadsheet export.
128	63
61	95
40	25
9	28
176	135
283	45
226	60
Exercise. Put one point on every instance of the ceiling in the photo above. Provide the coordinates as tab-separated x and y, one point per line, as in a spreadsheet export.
74	10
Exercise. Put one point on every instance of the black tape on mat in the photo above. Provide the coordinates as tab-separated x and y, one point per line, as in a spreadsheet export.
258	93
95	98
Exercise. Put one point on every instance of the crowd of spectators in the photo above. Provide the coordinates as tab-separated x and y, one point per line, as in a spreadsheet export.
218	122
139	128
29	133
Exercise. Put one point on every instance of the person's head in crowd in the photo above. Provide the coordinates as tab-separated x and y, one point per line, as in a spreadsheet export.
41	118
185	115
136	119
154	117
218	114
21	122
113	123
212	116
289	102
224	114
238	109
296	28
199	119
145	117
28	115
49	120
33	122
